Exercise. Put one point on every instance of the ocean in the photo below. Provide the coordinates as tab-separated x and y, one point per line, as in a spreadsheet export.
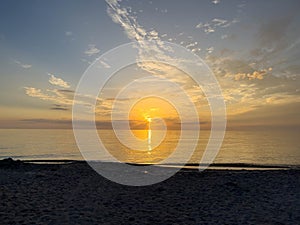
272	147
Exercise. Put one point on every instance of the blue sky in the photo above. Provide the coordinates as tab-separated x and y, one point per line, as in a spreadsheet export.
242	41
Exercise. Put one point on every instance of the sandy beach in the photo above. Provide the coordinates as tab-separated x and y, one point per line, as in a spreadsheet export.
75	194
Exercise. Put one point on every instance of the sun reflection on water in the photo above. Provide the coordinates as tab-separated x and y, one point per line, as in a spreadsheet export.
149	135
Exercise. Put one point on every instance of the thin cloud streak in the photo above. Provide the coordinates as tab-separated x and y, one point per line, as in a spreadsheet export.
23	65
92	50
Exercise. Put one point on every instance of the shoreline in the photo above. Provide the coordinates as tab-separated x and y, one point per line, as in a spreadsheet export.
191	166
73	193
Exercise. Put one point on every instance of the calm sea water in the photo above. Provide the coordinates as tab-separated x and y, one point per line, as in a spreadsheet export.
258	147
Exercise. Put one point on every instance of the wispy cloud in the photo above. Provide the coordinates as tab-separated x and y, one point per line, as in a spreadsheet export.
92	50
62	99
52	95
69	33
214	24
86	61
215	1
150	45
23	65
58	81
104	64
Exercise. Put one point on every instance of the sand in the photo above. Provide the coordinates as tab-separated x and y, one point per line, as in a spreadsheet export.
75	194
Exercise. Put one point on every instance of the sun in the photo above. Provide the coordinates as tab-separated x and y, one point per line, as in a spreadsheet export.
147	109
148	118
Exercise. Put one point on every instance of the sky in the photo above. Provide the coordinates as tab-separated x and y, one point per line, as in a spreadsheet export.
252	47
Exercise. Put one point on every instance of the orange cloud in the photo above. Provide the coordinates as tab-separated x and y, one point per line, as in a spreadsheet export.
259	75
